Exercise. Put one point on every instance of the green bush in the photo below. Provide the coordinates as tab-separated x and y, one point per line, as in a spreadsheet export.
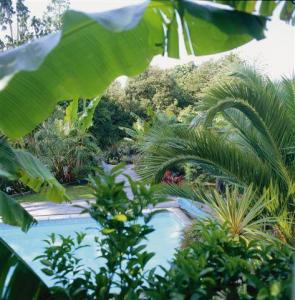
219	266
121	245
176	91
109	115
68	151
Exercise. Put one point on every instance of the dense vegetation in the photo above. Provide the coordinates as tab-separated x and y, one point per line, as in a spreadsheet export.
184	122
175	91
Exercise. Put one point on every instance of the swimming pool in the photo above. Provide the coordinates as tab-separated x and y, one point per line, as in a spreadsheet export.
163	241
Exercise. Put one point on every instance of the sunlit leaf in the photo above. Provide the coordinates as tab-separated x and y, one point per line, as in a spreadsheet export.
94	49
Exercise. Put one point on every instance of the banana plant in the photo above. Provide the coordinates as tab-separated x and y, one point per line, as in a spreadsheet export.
90	51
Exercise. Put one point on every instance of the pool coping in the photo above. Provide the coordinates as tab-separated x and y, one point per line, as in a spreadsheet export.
65	210
46	211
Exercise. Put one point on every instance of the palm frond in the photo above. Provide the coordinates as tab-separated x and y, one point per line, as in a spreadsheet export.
263	95
170	146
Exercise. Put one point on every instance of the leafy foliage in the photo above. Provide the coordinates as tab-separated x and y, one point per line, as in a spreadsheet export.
244	213
23	166
221	267
195	80
219	264
109	116
157	89
69	151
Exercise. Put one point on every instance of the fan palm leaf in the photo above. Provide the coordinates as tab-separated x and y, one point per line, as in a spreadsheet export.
173	145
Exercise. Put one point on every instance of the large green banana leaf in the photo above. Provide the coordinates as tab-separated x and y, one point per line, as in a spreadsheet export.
93	49
17	280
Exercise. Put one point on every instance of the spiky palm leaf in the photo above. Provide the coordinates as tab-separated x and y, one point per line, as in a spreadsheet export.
173	145
242	213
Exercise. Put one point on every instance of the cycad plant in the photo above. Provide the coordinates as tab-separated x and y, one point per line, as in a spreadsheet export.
258	151
243	213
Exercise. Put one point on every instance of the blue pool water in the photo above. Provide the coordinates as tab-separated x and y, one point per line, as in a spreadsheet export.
163	241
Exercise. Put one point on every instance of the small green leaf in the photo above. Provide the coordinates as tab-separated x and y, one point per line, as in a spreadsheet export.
47	271
46	262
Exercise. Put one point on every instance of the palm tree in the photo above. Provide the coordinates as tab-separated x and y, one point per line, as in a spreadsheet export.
258	151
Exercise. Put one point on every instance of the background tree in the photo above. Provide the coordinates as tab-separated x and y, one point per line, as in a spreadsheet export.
176	91
6	13
156	88
52	17
197	79
22	17
19	26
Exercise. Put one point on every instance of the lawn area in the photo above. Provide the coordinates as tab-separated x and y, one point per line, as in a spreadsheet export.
75	192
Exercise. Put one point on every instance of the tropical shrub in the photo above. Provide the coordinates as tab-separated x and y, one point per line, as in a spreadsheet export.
52	76
19	116
123	151
69	153
242	211
108	117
